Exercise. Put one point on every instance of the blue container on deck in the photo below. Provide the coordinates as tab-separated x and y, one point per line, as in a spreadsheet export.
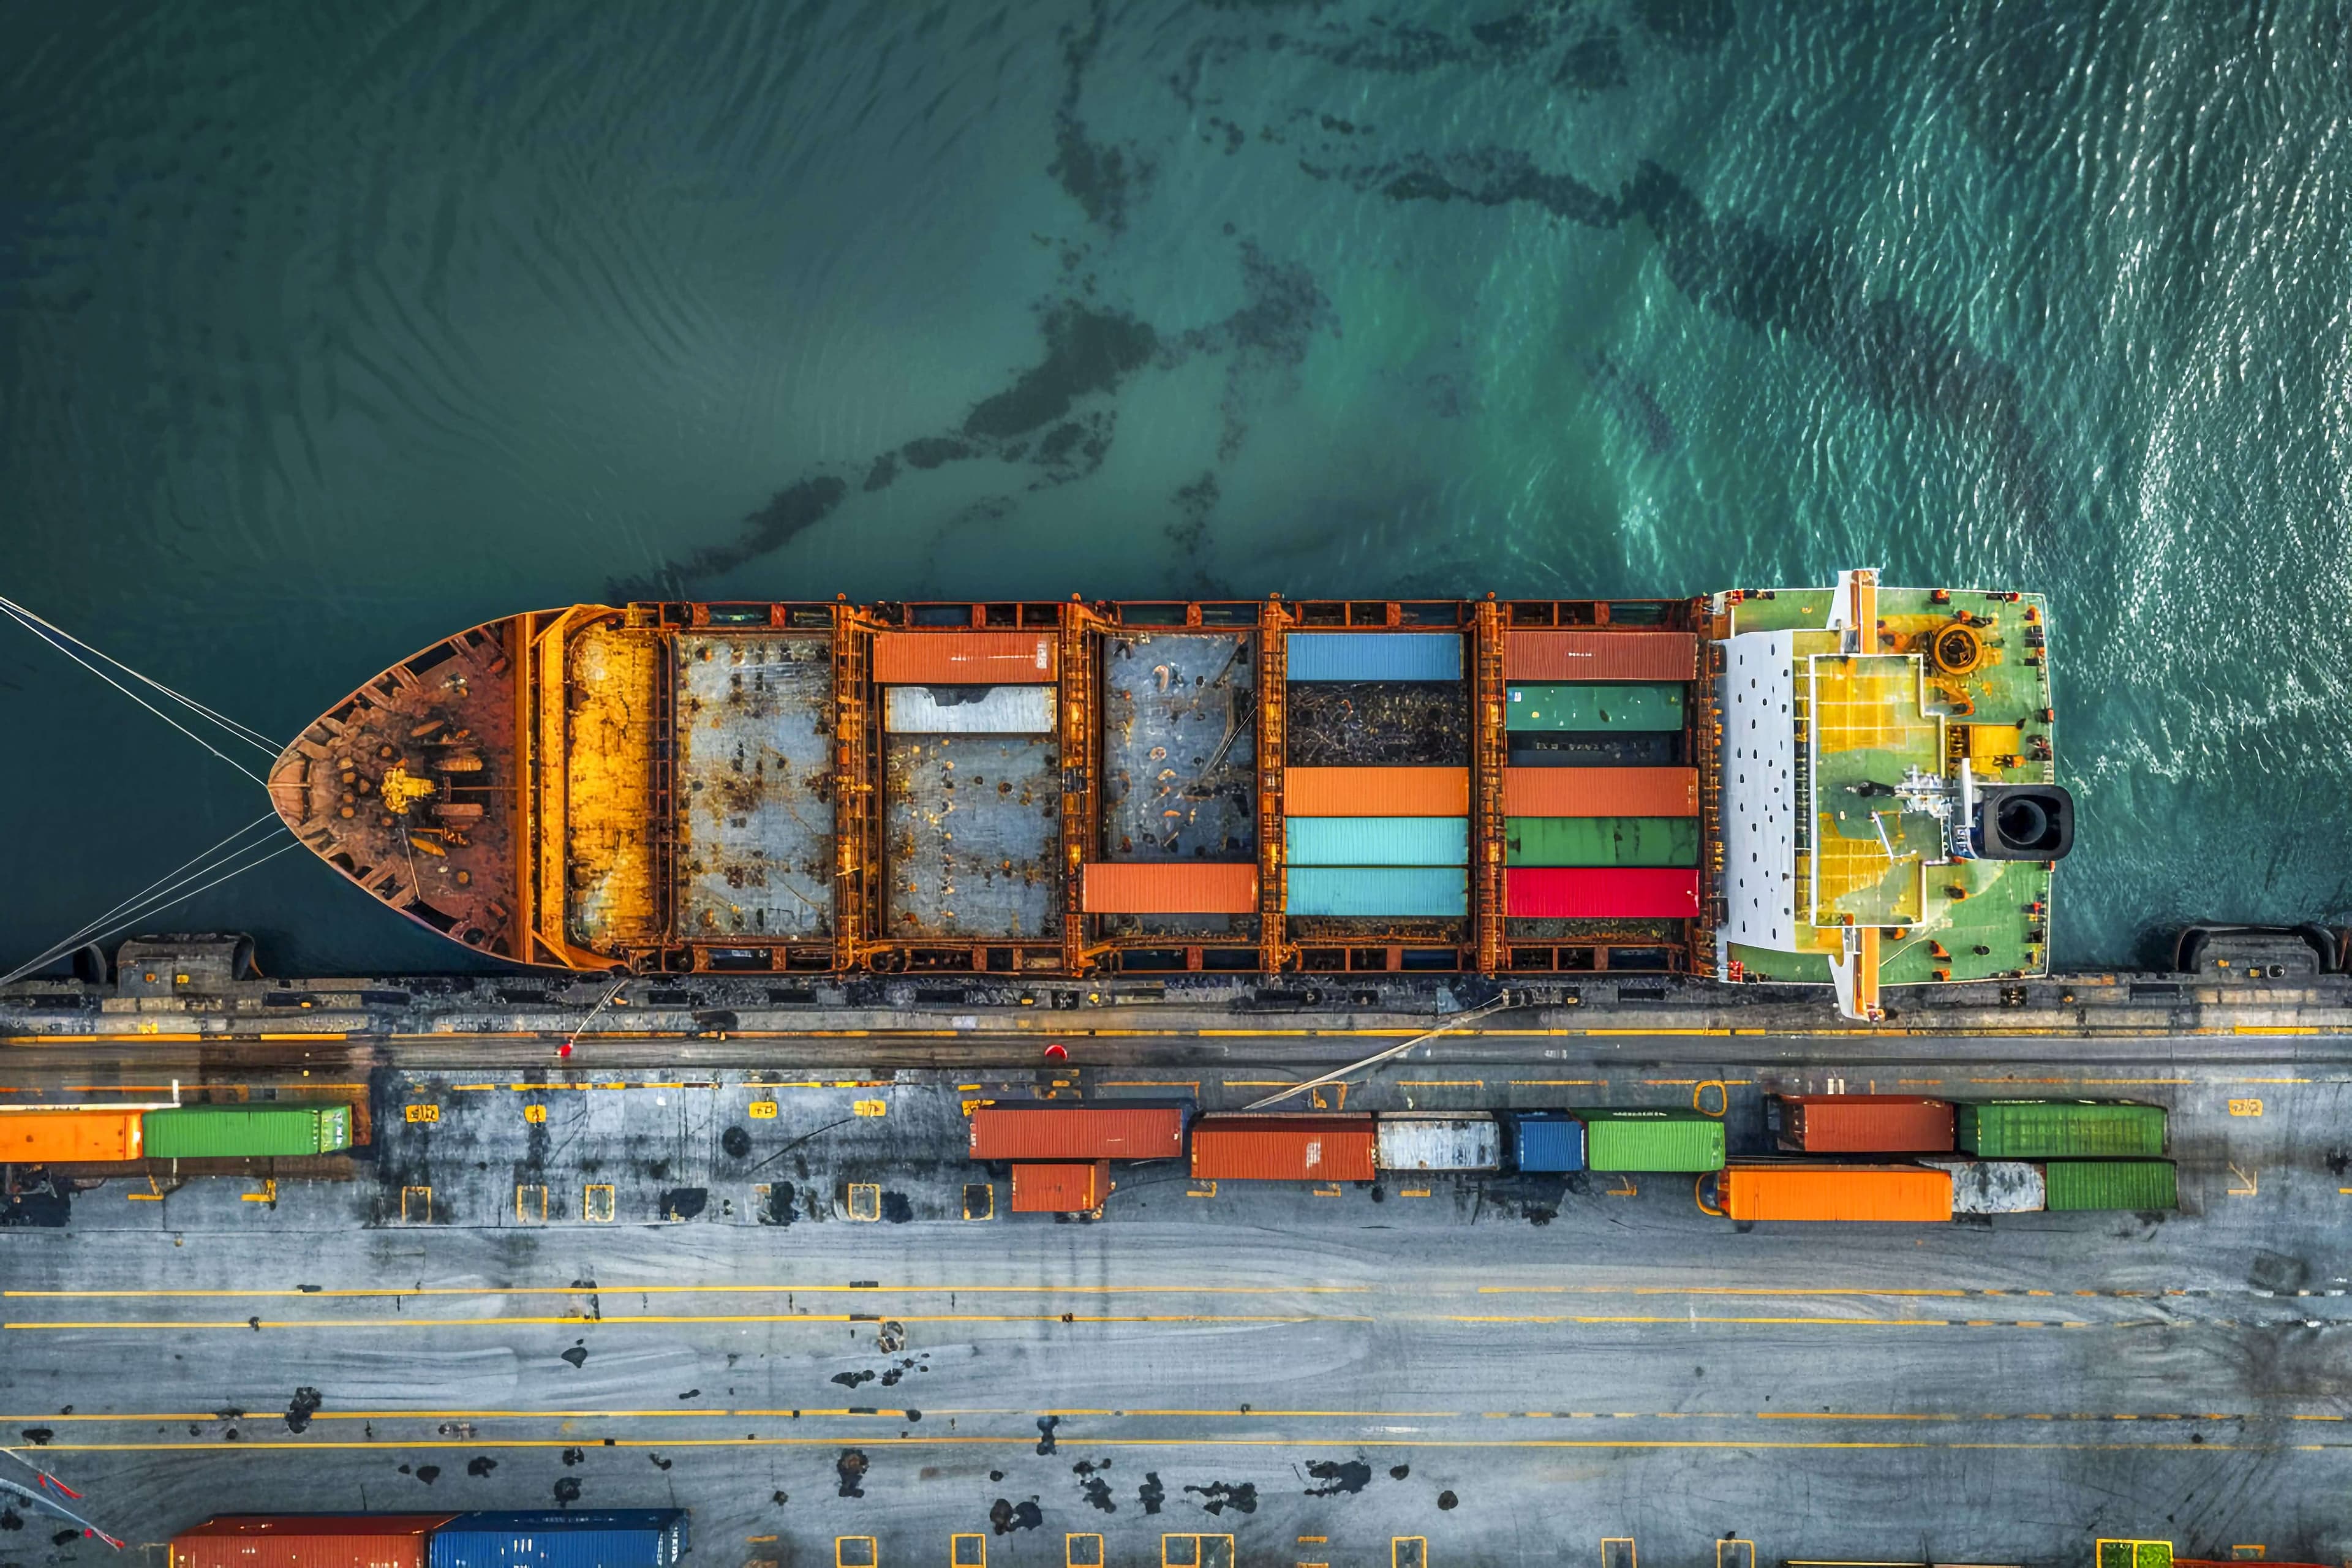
1546	1141
1393	890
1374	655
548	1537
1376	840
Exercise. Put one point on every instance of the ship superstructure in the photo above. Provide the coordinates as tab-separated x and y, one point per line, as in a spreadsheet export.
1785	787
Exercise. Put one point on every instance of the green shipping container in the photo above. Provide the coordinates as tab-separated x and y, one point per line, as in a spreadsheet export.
1650	1141
1594	705
2137	1184
244	1132
2058	1129
1601	840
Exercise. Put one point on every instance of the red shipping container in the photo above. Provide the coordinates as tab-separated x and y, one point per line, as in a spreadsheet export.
1060	1188
307	1540
1283	1148
1376	792
1860	1123
1078	1133
964	658
1170	888
1596	655
1601	792
1601	893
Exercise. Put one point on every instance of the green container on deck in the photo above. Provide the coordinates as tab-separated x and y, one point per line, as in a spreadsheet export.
1646	1140
1601	840
244	1132
2137	1184
1603	705
2058	1129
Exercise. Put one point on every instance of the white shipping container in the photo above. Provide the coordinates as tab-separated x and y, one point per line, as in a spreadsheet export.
1994	1187
1437	1141
968	709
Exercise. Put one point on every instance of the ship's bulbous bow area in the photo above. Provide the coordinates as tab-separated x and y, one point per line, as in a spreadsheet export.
408	787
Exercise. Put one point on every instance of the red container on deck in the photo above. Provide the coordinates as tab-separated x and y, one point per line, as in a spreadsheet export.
1584	654
1601	893
1060	1188
1170	888
1282	1149
307	1540
1860	1123
964	658
1078	1133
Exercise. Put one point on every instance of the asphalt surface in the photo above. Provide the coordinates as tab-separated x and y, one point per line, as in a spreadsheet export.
1514	1370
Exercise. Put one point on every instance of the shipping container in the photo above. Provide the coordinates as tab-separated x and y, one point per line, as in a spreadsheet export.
1646	1140
1993	1186
1168	888
578	1538
1373	656
1859	1123
1047	1131
1630	705
1437	1141
1582	654
1603	892
1283	1148
1377	792
1179	745
2058	1129
971	838
1594	749
968	709
307	1540
1545	1142
1601	840
964	658
246	1132
755	771
1795	1191
1599	792
1395	892
2140	1185
1377	723
1376	840
42	1137
1066	1187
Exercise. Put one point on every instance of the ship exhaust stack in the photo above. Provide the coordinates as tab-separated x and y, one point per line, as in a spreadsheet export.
2023	822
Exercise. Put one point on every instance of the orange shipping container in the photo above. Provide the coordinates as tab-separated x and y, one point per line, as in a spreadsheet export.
1077	1132
1283	1148
1594	655
1060	1189
1170	888
1379	791
1599	792
1805	1192
39	1137
309	1541
963	658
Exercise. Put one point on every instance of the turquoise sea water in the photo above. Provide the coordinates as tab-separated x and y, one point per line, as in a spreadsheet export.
326	329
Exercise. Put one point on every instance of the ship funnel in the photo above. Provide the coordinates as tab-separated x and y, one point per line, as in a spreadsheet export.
2023	822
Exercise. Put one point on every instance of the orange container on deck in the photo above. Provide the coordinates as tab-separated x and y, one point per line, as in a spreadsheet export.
1283	1148
1078	1133
1060	1188
1170	888
42	1137
1584	654
1807	1192
1377	792
309	1541
1599	792
964	658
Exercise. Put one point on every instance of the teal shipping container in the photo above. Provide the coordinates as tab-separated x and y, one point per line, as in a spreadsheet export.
2140	1185
1376	840
1601	840
1373	656
1594	705
244	1132
1396	890
2058	1129
1644	1139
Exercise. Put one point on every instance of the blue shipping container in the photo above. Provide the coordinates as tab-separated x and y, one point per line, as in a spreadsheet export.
548	1537
1375	656
1380	890
1546	1141
1376	840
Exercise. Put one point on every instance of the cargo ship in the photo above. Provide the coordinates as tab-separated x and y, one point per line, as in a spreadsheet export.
1849	787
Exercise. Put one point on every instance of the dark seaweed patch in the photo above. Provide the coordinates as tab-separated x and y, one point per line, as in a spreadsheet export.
1340	1478
851	1468
304	1405
480	1465
1151	1494
1219	1496
1005	1517
1045	1425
